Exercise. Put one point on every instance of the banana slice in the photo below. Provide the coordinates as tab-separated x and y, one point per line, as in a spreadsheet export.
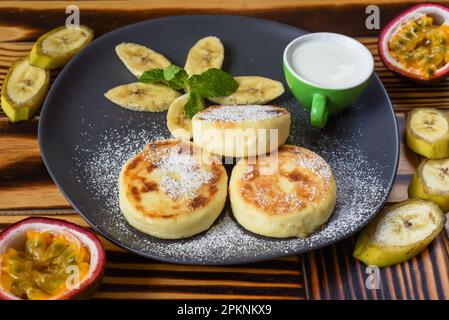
428	132
55	48
140	96
431	182
399	233
24	90
178	123
139	59
252	90
207	53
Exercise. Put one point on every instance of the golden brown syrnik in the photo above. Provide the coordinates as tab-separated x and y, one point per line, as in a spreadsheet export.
241	130
291	197
172	189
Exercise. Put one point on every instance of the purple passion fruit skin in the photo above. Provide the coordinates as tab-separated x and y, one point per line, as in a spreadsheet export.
415	44
35	254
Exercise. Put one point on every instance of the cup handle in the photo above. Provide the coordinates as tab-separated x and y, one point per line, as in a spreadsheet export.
319	113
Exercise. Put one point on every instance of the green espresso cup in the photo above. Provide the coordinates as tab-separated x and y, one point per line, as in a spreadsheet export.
326	73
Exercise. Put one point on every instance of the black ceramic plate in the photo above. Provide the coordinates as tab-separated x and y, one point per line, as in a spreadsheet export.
84	139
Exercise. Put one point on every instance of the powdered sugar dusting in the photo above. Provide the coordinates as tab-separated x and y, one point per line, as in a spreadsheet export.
315	164
181	174
240	113
360	191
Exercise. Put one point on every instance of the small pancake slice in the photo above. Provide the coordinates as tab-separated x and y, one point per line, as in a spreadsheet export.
172	189
241	130
289	193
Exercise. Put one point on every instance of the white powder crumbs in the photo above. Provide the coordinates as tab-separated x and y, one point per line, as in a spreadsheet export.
182	176
361	190
315	164
234	113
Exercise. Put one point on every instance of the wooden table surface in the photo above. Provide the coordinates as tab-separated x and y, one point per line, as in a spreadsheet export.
331	273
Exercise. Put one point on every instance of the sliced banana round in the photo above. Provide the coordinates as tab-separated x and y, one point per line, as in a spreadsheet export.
140	96
207	53
178	123
55	48
431	182
399	233
428	132
24	90
252	90
139	59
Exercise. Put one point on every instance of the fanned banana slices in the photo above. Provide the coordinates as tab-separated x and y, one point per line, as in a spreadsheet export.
24	90
207	53
178	123
55	48
431	182
140	96
252	90
139	59
428	132
399	233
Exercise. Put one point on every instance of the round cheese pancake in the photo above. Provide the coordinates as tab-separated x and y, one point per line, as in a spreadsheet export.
241	130
289	193
172	189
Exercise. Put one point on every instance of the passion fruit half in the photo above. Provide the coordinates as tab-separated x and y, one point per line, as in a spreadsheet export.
39	258
415	44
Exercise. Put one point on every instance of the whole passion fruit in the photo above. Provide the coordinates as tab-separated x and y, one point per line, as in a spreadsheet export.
49	259
416	43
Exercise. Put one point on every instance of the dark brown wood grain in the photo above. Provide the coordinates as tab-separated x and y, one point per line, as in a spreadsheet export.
332	273
24	180
19	21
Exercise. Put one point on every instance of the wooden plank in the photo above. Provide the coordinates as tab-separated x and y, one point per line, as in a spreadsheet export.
332	273
24	180
131	295
408	162
130	276
19	21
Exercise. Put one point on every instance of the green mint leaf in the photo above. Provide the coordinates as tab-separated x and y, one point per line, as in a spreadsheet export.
153	75
212	83
194	104
172	76
175	76
171	71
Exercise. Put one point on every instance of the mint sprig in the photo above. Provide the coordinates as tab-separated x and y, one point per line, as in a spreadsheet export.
176	76
193	105
211	83
172	76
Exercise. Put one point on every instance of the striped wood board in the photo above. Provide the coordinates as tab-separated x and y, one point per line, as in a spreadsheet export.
26	189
